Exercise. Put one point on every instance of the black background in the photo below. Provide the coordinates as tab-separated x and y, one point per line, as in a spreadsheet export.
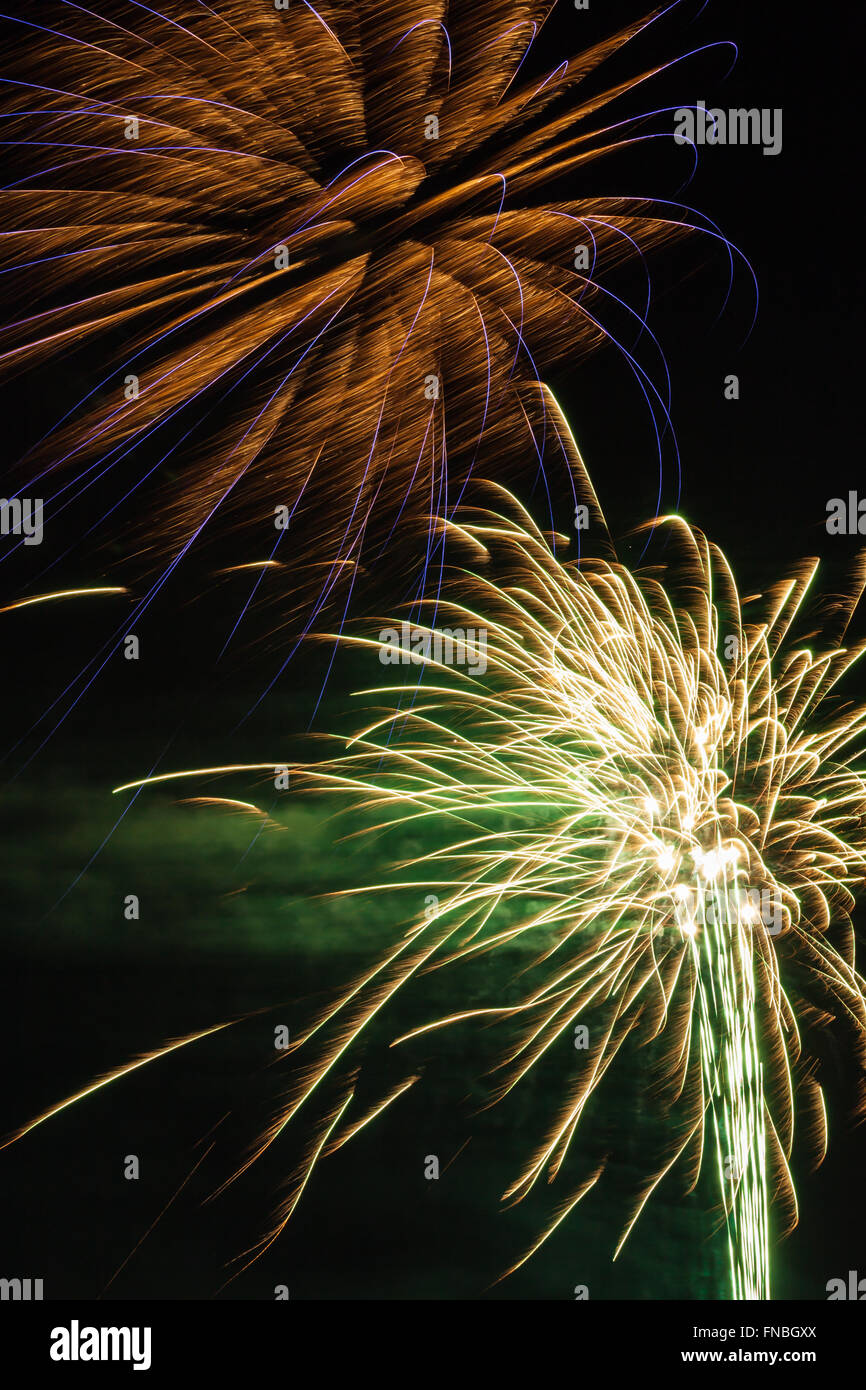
756	475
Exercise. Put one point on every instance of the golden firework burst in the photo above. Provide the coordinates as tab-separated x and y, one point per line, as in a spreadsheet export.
315	254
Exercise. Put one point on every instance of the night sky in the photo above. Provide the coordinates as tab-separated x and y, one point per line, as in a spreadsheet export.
229	926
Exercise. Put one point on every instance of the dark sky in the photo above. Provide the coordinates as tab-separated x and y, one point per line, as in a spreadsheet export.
756	473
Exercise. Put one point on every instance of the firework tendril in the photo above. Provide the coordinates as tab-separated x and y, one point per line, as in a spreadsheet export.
653	785
318	255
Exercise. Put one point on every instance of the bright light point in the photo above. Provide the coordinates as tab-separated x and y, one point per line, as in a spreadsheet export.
651	806
711	865
666	861
682	891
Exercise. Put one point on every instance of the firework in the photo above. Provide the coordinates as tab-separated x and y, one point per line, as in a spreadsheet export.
652	785
314	254
647	786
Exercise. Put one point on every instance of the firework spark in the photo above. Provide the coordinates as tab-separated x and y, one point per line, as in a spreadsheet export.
653	786
59	594
654	794
314	253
